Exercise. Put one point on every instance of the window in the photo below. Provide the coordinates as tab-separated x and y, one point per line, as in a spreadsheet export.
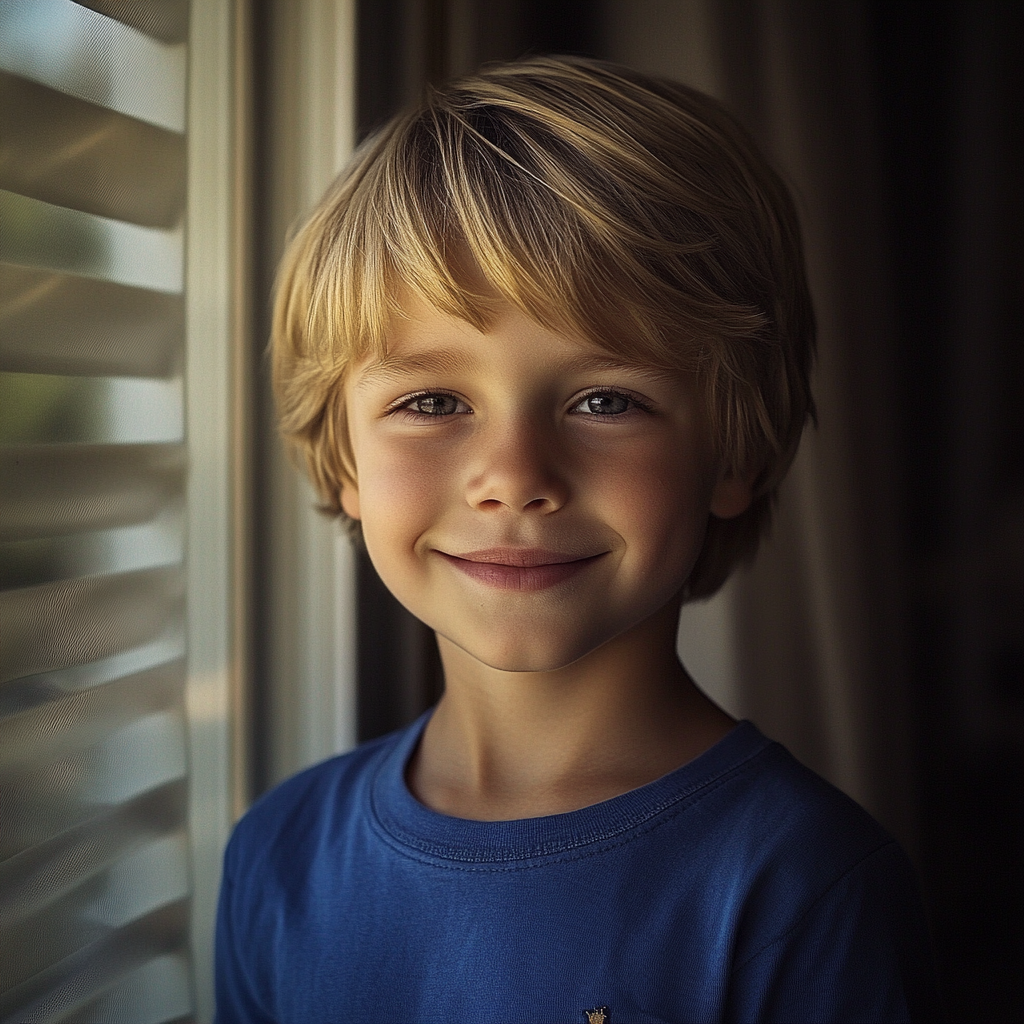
115	504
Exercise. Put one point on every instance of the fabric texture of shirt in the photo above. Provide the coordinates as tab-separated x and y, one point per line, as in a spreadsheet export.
740	887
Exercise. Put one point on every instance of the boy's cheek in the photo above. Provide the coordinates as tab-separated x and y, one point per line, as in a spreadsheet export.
400	496
662	483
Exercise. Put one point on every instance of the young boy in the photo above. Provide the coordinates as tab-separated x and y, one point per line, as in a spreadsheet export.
547	342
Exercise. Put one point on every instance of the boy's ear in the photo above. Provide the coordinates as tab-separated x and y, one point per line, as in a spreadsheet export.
350	499
732	495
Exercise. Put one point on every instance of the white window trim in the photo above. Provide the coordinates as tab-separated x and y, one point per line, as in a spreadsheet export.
312	677
209	278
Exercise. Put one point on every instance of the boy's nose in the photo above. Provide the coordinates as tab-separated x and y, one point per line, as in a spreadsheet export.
517	468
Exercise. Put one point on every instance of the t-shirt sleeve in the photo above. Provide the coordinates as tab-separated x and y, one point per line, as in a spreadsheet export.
860	953
236	971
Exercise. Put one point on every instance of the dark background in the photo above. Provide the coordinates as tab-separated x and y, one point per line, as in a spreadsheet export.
949	97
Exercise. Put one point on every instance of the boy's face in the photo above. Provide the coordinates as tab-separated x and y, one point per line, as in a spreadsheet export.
522	493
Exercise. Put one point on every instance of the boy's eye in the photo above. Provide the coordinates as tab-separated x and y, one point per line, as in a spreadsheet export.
605	403
434	404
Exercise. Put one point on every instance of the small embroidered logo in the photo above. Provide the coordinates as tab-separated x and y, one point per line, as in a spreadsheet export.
598	1016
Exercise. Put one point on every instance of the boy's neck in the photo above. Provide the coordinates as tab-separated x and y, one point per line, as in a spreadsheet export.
504	745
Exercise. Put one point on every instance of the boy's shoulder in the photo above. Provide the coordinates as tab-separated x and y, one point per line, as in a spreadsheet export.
790	832
753	818
774	794
317	799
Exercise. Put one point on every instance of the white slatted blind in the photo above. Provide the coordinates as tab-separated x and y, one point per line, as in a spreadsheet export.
94	844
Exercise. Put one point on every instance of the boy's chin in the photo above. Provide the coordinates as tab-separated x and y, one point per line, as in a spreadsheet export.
520	654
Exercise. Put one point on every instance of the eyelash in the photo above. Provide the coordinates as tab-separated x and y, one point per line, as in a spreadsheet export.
633	400
402	405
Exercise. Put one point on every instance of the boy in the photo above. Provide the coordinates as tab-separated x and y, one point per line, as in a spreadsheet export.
547	341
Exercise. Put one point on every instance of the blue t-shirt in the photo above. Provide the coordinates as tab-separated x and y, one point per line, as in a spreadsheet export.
740	887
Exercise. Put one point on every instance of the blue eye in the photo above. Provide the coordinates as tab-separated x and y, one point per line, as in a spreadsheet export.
604	403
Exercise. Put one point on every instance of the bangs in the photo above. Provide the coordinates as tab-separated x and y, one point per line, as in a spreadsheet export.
473	199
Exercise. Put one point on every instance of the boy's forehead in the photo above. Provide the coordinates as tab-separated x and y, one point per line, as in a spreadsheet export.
423	339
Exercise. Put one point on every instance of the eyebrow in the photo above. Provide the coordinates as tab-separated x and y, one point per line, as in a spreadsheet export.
593	362
393	368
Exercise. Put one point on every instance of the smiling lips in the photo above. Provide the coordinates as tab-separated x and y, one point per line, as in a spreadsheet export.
519	568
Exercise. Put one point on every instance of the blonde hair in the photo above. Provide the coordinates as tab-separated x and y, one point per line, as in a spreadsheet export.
605	204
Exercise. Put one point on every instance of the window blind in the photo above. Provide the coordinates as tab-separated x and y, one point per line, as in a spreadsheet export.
94	861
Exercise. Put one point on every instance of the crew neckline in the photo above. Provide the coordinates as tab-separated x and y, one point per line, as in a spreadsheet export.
404	821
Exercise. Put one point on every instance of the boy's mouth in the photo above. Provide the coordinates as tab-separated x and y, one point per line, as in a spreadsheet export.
519	568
